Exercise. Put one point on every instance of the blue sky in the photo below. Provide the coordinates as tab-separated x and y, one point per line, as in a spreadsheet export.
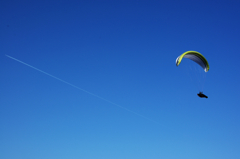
124	52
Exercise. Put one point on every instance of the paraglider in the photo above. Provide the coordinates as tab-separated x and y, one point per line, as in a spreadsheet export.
201	95
199	59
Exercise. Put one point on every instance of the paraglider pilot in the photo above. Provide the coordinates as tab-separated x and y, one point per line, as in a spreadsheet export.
201	95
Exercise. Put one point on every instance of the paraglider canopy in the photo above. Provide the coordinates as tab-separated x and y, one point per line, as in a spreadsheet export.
196	57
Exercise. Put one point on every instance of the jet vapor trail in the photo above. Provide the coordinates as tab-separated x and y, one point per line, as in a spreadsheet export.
80	88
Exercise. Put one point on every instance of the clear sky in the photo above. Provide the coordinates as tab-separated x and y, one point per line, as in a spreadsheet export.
124	52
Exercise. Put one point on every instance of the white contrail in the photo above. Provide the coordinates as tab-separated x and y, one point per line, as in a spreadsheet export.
80	88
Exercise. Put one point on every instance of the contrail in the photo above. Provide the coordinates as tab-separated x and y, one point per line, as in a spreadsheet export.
80	88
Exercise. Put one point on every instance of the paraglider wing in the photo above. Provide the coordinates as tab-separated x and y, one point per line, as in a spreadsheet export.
196	57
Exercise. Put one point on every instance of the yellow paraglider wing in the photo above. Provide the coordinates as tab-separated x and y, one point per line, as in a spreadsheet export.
196	57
